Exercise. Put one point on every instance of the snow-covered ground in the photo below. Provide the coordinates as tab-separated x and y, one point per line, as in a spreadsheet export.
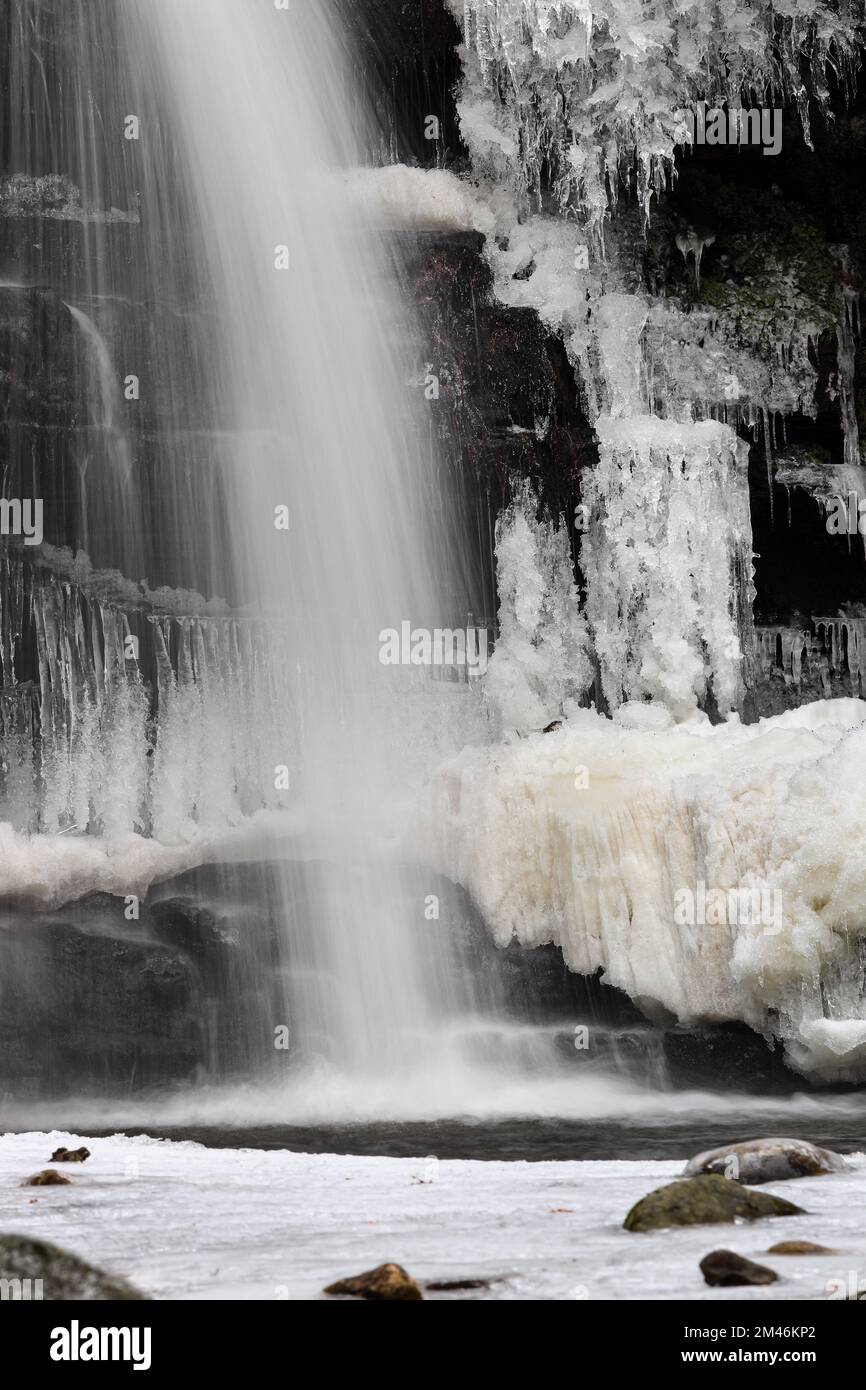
183	1221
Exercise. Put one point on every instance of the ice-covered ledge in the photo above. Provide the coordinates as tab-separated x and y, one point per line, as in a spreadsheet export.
622	841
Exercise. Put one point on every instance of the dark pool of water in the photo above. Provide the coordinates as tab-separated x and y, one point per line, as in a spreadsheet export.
530	1139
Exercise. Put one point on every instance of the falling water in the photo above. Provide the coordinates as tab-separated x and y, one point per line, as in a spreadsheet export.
196	649
327	537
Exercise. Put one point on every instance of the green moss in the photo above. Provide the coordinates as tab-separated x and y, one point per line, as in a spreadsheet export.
778	261
704	1200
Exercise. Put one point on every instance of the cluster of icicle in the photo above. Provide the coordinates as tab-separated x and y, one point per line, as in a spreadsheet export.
89	747
828	651
597	91
666	551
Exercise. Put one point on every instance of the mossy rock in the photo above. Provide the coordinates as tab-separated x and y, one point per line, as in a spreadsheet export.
64	1277
704	1200
774	242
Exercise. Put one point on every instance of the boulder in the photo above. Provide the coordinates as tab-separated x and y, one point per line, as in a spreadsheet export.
766	1160
64	1277
386	1283
725	1268
704	1200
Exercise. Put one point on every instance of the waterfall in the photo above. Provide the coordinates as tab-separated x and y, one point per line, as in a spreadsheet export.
329	539
239	502
244	509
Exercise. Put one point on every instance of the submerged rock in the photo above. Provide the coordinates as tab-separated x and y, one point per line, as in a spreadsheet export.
63	1277
725	1268
385	1283
70	1155
705	1199
766	1160
800	1247
49	1177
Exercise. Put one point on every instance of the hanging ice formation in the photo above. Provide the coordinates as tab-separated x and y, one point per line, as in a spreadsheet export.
135	692
600	91
590	102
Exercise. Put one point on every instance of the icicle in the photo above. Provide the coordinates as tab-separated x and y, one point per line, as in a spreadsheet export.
846	347
768	455
590	84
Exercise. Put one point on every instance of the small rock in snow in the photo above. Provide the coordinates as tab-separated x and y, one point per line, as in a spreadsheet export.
724	1268
387	1282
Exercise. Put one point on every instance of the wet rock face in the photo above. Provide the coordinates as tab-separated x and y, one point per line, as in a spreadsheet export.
41	397
507	394
405	58
193	989
730	1057
56	1275
92	1003
704	1200
767	1160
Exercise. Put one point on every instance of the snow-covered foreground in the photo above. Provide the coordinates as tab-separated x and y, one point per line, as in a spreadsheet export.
182	1221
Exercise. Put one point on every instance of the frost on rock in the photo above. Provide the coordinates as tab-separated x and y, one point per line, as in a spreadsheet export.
599	91
668	562
540	666
703	364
